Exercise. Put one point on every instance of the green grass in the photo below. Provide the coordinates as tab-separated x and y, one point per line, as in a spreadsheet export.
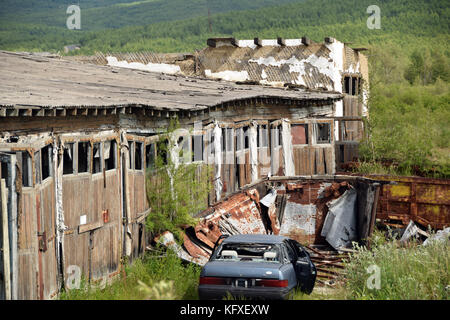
412	272
157	275
409	124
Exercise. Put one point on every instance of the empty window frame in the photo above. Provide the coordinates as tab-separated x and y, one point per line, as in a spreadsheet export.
263	137
183	145
3	170
27	174
224	140
229	139
97	161
130	154
150	156
37	166
277	138
68	158
110	154
323	133
197	146
138	149
84	151
162	151
246	137
239	139
299	134
211	146
352	85
46	160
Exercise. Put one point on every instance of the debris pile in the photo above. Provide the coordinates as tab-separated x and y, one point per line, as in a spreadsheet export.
329	263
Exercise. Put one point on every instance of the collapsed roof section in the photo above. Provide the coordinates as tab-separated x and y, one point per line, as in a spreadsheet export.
334	210
37	85
280	62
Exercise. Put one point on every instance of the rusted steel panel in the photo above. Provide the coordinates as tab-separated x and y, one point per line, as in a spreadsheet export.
239	214
423	200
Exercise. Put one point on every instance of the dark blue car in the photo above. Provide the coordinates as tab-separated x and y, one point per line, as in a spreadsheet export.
257	266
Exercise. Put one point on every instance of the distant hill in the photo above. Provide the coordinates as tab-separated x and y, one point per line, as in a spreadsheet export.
409	56
112	14
180	25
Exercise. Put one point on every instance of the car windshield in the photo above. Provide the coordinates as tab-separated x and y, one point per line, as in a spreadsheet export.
255	252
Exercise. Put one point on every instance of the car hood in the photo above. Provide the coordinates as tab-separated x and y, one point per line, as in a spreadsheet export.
236	269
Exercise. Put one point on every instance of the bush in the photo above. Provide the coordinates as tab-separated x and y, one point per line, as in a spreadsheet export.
413	272
158	275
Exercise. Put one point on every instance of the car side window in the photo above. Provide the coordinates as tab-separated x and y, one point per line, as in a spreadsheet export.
301	252
289	252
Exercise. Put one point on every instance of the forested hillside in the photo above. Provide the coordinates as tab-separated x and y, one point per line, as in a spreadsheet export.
102	14
409	56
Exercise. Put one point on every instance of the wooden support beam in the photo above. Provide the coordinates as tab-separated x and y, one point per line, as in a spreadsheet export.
5	244
90	226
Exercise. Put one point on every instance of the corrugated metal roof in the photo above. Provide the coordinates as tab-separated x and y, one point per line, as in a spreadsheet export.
30	80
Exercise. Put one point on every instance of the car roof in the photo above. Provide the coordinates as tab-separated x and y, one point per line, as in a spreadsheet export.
258	238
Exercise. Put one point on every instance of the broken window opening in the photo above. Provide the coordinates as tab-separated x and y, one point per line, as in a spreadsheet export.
183	144
162	151
37	165
229	139
276	136
299	134
46	158
280	136
347	84
262	139
352	85
224	140
110	154
4	170
197	145
130	154
238	139
150	156
323	133
211	142
254	252
27	176
84	149
97	163
246	137
138	156
68	159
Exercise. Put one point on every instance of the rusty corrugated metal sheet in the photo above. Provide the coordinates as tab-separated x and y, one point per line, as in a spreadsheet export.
426	201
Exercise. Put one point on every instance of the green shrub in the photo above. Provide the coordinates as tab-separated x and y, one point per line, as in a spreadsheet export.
412	272
158	275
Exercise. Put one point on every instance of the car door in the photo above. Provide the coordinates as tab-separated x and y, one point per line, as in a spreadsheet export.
304	268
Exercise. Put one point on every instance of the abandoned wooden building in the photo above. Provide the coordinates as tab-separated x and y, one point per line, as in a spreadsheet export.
77	138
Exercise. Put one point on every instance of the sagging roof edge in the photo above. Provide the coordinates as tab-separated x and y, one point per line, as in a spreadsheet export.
21	110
